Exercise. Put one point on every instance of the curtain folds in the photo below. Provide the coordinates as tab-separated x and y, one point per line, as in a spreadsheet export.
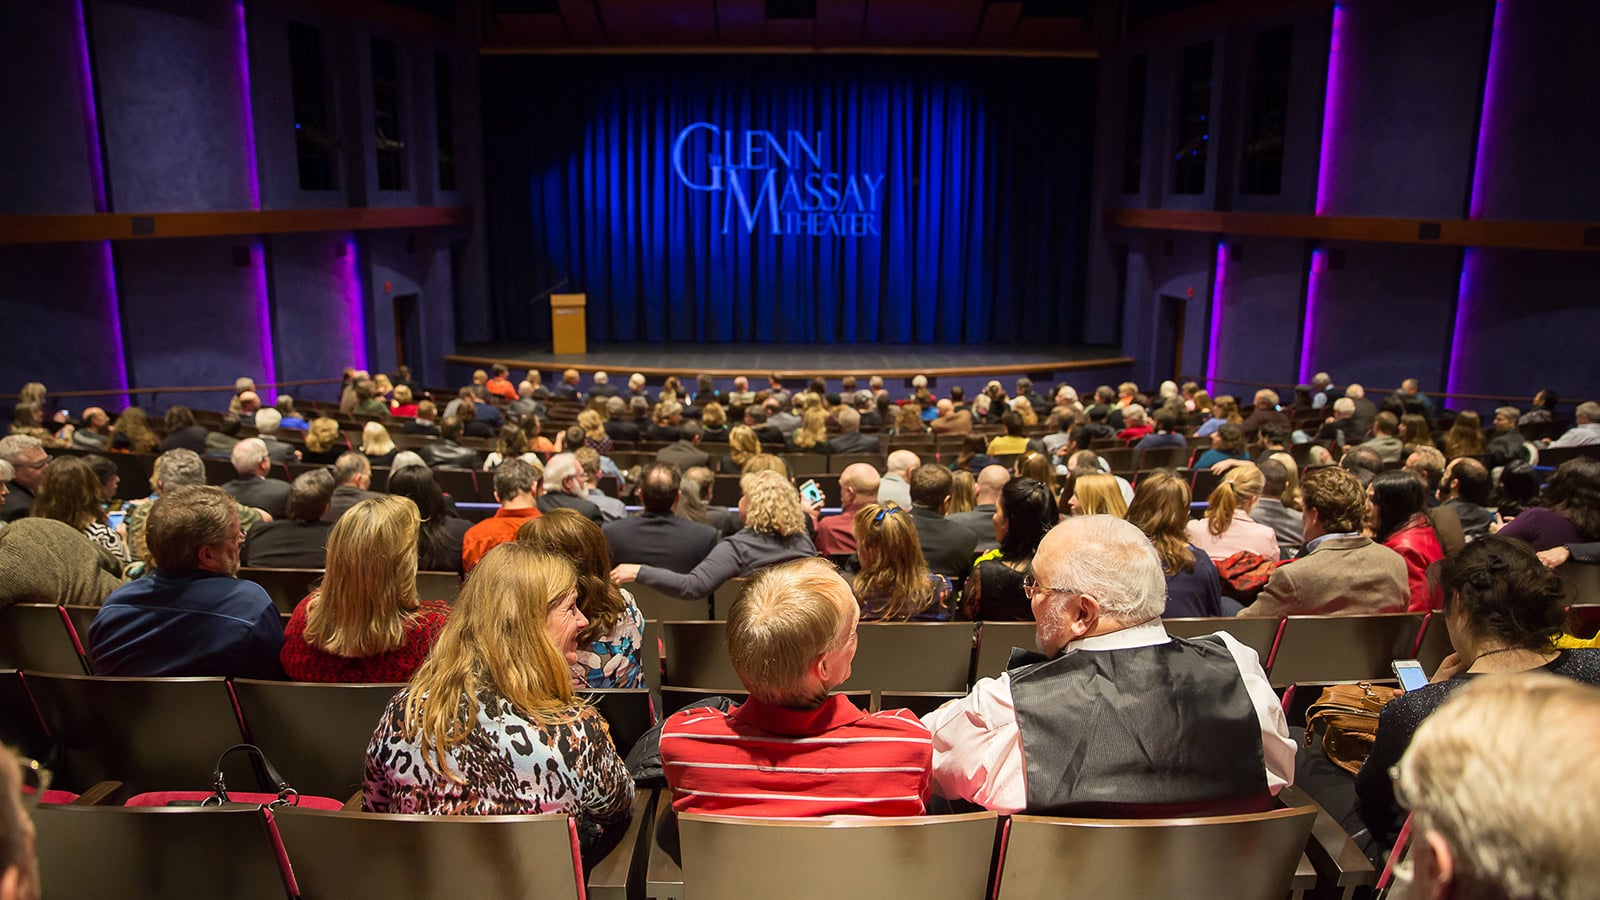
976	232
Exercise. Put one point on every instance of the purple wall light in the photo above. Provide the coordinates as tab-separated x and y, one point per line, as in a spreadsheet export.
1217	282
247	112
258	282
1330	110
354	302
1319	266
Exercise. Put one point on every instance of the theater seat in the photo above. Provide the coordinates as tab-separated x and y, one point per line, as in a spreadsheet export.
371	856
316	735
1243	857
152	853
790	859
38	637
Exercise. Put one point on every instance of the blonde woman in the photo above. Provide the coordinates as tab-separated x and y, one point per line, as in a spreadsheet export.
364	622
742	444
774	532
324	442
489	724
1227	528
594	432
376	444
894	584
1097	495
963	492
812	435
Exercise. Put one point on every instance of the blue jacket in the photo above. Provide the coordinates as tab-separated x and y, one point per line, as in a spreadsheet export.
196	625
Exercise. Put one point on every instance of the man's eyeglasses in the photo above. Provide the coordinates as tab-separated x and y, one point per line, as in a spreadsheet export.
1033	588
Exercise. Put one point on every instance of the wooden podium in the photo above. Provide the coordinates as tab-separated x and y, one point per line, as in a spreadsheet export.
569	323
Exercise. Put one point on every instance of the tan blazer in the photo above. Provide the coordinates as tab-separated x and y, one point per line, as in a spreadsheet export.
1349	576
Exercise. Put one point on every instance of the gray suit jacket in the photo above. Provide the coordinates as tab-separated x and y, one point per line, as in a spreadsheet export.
980	521
1343	576
1287	523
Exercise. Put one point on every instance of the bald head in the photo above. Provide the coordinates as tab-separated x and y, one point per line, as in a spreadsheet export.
858	484
990	482
901	462
249	401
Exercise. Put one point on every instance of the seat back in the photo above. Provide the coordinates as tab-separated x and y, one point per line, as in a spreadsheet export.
1163	457
778	859
995	640
20	726
1582	582
154	734
662	607
726	593
368	856
627	712
36	636
911	656
286	587
147	853
438	586
1245	857
919	702
697	656
1258	634
315	734
1342	648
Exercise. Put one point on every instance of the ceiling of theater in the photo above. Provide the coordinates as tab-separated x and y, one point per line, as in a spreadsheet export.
1007	26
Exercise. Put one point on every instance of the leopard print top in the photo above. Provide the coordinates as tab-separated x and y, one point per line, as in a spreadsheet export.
509	765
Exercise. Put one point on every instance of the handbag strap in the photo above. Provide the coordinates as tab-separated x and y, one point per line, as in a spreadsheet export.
286	794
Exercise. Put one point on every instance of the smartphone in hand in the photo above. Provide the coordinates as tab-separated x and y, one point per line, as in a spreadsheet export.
811	492
1410	673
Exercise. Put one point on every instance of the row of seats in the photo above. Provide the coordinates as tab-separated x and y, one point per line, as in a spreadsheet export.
257	853
165	734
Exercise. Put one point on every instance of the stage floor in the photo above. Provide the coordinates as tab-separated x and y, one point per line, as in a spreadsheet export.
797	361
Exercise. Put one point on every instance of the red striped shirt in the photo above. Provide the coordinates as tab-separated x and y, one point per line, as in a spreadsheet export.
762	760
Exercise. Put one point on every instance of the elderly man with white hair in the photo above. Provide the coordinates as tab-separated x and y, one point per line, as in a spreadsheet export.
566	487
253	487
1113	715
603	386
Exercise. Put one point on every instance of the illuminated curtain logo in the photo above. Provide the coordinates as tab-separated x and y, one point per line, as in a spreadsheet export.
780	181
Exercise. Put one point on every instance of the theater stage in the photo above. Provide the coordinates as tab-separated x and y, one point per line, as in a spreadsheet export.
656	361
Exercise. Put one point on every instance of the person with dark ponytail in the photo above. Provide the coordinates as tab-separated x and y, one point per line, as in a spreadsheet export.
1397	502
1504	610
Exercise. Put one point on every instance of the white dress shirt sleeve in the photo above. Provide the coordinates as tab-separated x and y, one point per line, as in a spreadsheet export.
977	748
1276	747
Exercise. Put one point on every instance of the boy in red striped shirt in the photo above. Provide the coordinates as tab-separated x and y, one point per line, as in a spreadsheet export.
791	749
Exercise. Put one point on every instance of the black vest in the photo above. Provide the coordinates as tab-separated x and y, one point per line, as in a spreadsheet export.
1164	730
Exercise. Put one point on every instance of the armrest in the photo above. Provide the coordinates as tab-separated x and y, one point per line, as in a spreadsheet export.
625	864
664	876
353	804
101	794
1335	855
1305	878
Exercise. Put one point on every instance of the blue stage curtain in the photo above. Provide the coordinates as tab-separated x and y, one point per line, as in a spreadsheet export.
986	168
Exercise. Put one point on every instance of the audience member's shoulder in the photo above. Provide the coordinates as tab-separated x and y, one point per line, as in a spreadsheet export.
898	721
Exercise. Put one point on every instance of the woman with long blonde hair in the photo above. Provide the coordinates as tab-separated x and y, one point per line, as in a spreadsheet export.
774	532
742	444
364	622
594	432
812	435
894	584
608	647
131	433
1097	494
489	724
1227	528
377	445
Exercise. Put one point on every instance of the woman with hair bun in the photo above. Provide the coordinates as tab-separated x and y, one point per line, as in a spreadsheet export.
1227	528
1503	609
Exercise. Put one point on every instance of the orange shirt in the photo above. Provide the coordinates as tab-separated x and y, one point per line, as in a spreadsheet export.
501	387
492	532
